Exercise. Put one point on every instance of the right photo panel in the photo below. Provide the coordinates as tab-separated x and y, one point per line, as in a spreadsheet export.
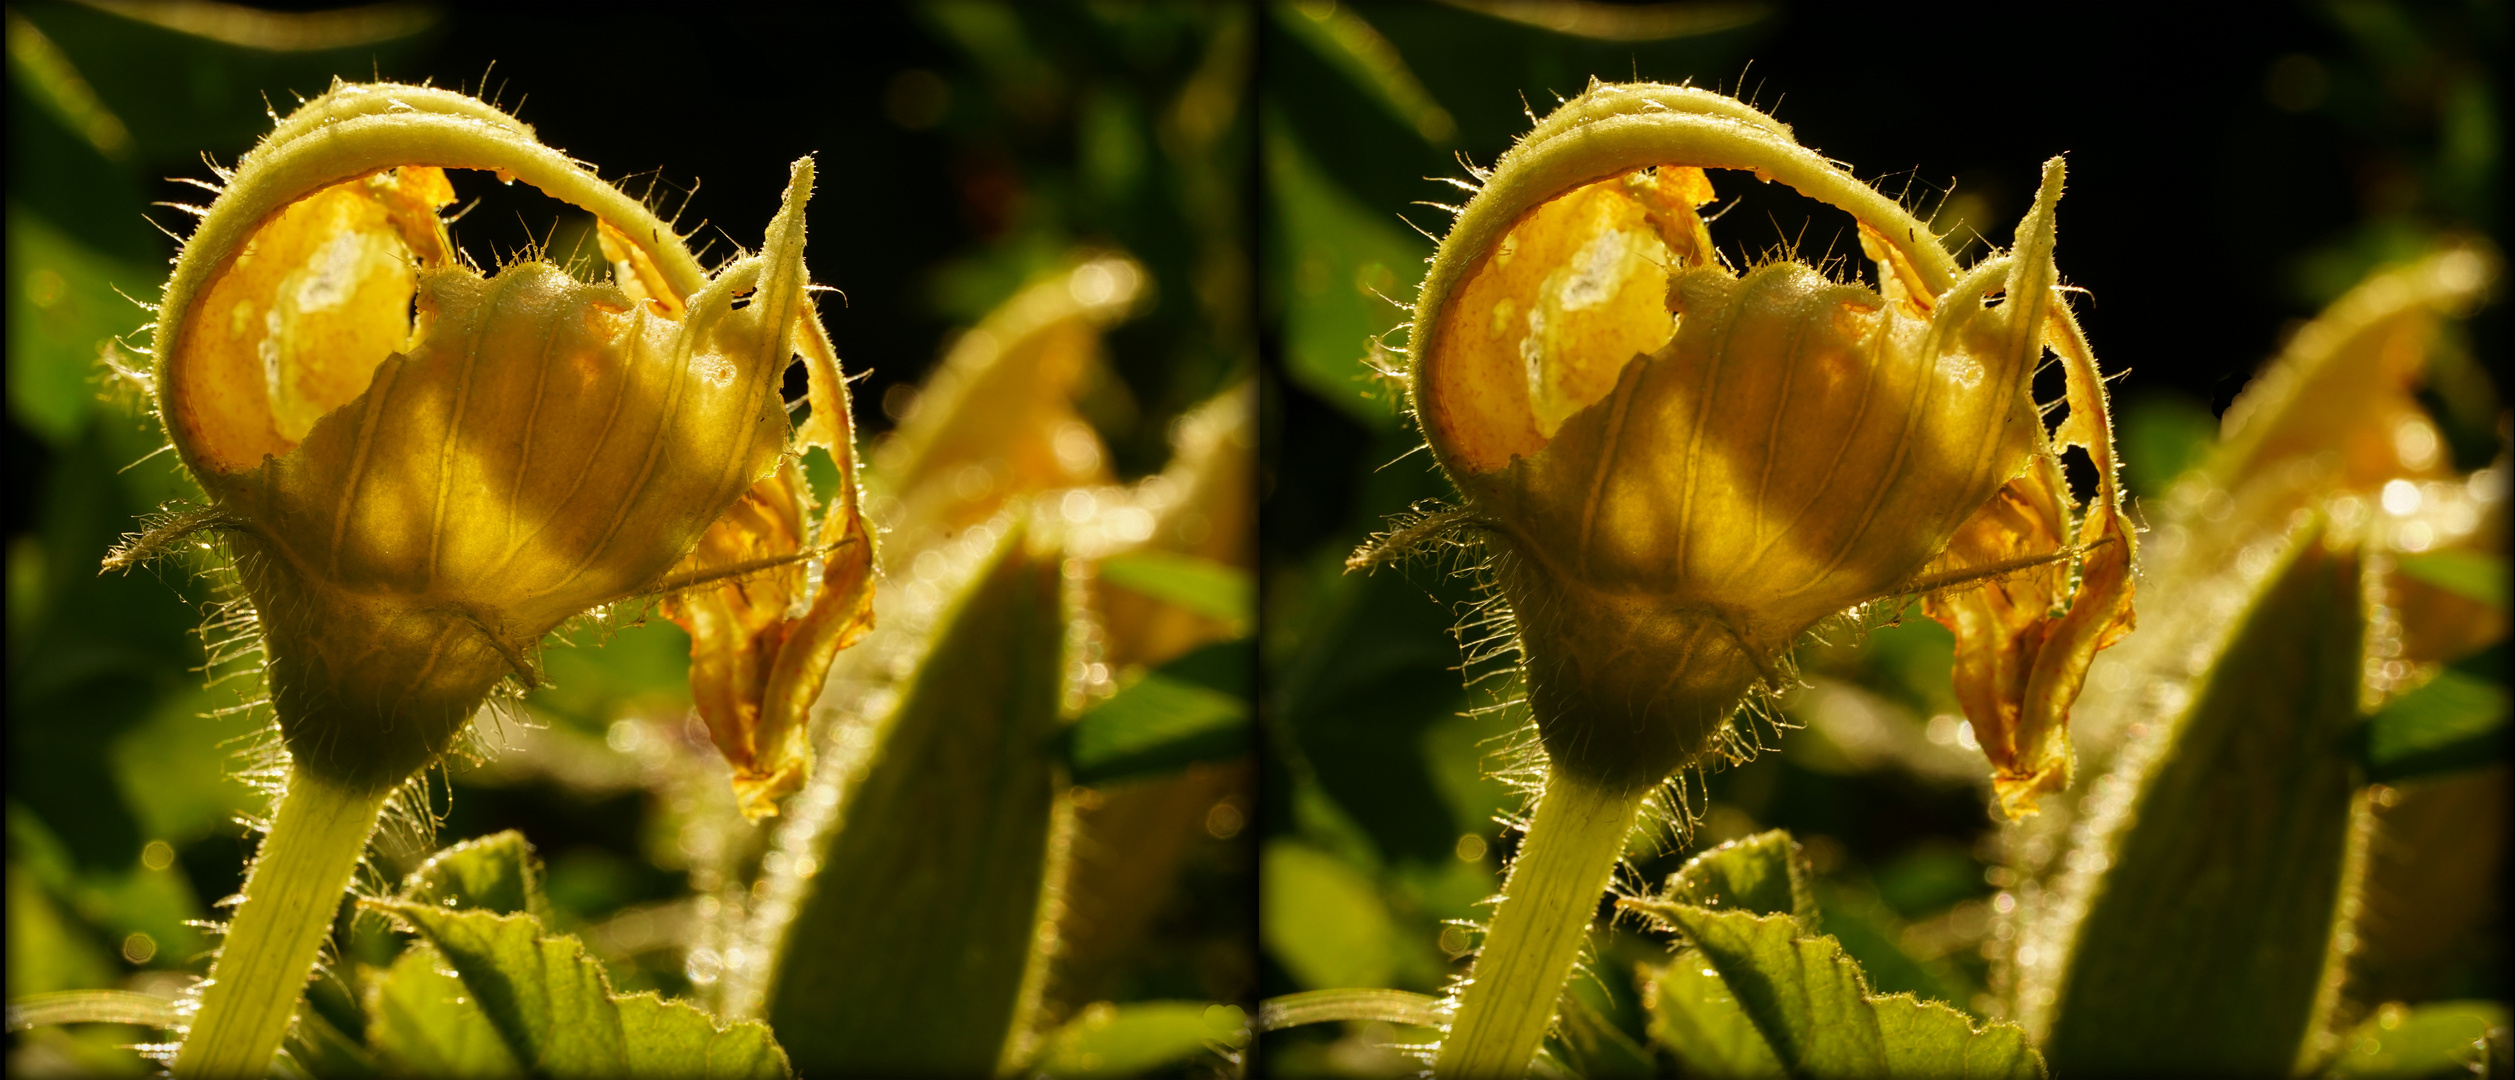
1920	541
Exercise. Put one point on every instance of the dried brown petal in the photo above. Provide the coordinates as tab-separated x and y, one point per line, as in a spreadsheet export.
2026	636
759	651
762	642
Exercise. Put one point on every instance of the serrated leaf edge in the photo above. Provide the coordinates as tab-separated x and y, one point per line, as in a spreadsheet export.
396	910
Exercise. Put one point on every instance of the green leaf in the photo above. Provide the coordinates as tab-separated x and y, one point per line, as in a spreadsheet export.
1927	1039
62	310
1807	999
175	769
1334	265
1872	936
1762	874
1209	588
1194	708
1106	1040
2208	937
1351	45
547	1006
325	1051
421	1021
2479	575
2436	1040
2163	433
495	873
599	672
2455	721
1694	1015
1808	1006
1587	1040
1322	920
1323	1006
910	954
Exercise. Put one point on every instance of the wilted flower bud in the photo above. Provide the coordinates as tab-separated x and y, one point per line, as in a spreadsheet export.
423	471
1686	468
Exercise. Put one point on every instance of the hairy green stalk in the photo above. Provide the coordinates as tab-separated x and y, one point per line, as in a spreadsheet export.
1573	843
289	899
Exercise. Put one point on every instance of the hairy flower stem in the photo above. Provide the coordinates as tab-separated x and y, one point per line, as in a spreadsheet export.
1547	902
289	899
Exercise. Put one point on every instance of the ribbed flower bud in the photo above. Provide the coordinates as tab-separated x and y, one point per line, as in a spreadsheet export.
424	470
1686	468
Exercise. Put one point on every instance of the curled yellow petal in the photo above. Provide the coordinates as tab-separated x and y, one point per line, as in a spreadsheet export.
2056	592
762	640
761	643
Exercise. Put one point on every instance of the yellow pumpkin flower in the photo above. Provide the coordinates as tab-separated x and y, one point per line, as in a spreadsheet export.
1685	468
423	470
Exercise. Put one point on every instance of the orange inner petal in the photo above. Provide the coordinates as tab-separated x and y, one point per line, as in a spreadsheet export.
296	323
1571	294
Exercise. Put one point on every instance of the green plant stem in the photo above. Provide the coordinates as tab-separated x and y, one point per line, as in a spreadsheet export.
289	899
1573	843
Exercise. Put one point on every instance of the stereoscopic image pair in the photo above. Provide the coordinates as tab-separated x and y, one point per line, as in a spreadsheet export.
1486	539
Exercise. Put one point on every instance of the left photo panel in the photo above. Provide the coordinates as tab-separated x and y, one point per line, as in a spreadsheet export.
632	541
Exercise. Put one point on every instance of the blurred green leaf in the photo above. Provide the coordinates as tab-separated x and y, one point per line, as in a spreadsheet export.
176	769
1342	271
1194	708
1587	1038
1927	878
496	873
47	951
946	839
63	309
1110	137
2479	575
2455	721
150	914
1323	920
91	1007
324	1051
1694	1015
1321	1006
1812	1008
1911	661
1209	588
1107	1040
1367	682
1762	874
599	672
1350	44
1871	934
2209	935
423	1022
2163	434
2440	1039
551	1008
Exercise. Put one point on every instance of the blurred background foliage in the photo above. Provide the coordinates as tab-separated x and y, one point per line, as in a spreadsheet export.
2231	173
966	149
